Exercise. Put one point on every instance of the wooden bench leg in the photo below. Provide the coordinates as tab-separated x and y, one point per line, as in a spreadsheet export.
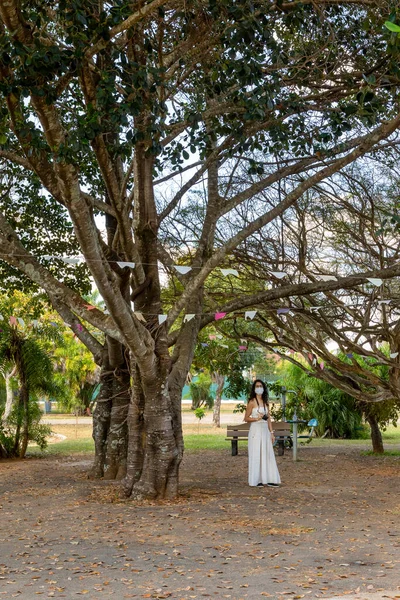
234	444
281	447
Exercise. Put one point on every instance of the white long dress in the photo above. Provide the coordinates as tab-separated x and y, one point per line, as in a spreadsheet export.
262	463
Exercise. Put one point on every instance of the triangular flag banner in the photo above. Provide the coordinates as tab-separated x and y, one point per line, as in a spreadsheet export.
89	307
349	355
375	281
322	366
283	311
279	274
250	314
48	256
242	347
224	346
314	362
219	336
124	264
13	321
204	345
21	322
315	308
106	312
226	272
71	261
182	270
53	324
242	341
1	318
212	337
394	354
162	319
384	302
140	316
328	277
219	315
35	323
79	327
188	318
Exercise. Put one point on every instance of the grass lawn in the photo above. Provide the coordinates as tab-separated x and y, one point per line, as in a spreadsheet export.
206	437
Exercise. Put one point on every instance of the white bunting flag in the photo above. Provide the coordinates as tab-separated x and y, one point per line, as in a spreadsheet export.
106	312
71	261
380	302
279	274
162	319
375	281
250	314
327	277
1	318
35	323
188	318
48	256
21	322
226	272
394	354
139	316
182	270
219	336
315	308
123	264
224	346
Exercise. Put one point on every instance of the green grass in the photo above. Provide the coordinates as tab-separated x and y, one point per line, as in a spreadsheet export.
79	441
66	447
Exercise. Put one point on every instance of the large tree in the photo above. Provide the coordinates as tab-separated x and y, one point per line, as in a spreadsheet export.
120	109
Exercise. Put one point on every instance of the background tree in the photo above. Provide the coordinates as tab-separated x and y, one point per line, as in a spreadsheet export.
108	105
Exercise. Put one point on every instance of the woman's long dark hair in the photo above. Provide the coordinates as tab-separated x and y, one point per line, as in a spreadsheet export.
252	395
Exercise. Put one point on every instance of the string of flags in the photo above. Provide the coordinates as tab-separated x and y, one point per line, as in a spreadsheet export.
184	269
249	315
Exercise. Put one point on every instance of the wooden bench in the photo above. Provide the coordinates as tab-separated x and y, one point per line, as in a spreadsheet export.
240	431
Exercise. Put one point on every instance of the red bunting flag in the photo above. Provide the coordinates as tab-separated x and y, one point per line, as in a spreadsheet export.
219	315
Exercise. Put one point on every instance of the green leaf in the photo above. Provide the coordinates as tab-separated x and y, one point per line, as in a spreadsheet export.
392	26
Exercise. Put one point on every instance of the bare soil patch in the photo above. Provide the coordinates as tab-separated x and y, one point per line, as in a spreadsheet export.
330	530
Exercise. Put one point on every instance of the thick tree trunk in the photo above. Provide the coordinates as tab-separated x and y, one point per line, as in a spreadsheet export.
110	417
24	395
117	439
376	435
154	453
101	421
220	381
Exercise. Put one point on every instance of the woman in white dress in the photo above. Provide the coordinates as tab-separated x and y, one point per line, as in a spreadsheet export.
262	464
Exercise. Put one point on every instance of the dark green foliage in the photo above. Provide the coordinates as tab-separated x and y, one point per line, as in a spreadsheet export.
200	392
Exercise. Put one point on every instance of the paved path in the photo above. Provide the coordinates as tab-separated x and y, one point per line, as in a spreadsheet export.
188	418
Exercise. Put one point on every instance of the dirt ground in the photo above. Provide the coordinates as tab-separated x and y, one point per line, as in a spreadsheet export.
330	530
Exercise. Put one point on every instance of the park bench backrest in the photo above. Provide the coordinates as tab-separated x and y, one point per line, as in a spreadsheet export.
241	430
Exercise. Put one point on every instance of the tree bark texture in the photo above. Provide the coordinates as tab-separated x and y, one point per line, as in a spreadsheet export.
9	395
376	435
220	381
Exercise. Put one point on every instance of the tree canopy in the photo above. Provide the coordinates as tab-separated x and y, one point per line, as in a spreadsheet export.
140	123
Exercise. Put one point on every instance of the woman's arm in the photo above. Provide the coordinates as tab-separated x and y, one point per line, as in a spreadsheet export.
270	425
247	417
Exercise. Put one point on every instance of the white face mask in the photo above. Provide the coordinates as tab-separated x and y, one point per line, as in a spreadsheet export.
259	390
